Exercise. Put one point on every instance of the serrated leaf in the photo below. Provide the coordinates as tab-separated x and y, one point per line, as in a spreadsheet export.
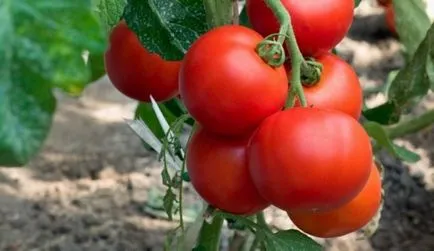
290	240
41	47
167	181
168	201
110	11
167	27
143	131
412	23
379	134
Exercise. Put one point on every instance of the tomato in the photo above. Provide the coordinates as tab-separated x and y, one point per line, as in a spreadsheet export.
309	159
226	86
218	171
346	219
318	27
136	72
384	2
390	18
338	88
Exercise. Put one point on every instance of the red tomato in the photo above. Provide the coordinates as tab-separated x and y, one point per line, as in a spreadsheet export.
384	2
338	88
390	18
226	86
346	219
318	26
136	72
310	159
218	171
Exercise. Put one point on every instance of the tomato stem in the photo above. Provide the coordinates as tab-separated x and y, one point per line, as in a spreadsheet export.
297	60
412	125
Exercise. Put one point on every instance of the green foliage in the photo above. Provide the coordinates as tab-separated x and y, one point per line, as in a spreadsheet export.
290	240
42	43
167	27
381	137
110	11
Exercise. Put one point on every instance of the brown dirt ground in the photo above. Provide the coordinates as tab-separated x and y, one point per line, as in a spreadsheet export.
87	187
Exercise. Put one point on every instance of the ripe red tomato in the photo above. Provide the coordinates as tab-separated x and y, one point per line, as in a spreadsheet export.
338	88
309	159
346	219
218	171
136	72
318	27
390	18
384	2
226	86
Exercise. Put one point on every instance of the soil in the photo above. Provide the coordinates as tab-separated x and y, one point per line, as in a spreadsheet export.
87	188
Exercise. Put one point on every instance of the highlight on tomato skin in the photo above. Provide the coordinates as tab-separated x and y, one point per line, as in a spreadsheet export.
338	88
346	219
218	171
136	72
309	159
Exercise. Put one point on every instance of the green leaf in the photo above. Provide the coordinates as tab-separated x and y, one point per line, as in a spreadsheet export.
412	23
41	47
26	108
167	181
244	18
409	156
356	3
385	114
290	240
110	11
167	27
96	64
379	134
145	112
168	201
413	81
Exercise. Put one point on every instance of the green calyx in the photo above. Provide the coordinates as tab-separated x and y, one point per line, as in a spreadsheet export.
311	72
271	50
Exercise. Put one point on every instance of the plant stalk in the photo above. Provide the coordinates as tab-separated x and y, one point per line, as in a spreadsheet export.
412	125
297	59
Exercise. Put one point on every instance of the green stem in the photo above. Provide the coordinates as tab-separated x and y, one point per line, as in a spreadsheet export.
282	15
260	218
297	62
209	235
411	126
297	59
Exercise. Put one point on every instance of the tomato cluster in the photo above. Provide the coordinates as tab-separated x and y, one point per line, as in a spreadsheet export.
248	150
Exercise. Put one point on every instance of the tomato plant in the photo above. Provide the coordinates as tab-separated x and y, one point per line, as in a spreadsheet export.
390	18
218	171
317	27
135	71
217	86
346	219
338	80
325	144
259	135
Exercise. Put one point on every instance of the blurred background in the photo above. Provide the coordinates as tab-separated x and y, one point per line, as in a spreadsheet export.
95	187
